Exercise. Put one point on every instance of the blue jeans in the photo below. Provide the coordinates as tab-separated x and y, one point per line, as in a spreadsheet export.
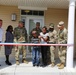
36	56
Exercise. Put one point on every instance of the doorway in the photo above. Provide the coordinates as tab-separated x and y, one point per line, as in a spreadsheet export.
30	23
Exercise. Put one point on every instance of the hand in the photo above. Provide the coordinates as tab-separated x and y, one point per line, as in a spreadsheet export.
40	37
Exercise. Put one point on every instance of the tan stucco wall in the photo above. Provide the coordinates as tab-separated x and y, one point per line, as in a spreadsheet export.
56	15
51	16
5	15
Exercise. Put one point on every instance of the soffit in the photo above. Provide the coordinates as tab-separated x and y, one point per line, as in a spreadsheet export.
37	3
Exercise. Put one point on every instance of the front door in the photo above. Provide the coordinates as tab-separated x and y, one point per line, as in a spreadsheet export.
30	23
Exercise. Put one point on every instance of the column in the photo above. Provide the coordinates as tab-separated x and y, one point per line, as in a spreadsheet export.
71	19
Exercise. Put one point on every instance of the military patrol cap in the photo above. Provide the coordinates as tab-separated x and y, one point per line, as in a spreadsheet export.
37	23
20	21
61	23
51	25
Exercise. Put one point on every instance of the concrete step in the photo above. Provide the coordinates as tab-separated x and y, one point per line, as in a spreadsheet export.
28	69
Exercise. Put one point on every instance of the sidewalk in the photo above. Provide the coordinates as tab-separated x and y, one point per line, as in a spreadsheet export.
28	69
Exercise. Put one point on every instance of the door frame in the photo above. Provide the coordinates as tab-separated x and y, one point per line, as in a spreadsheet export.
31	17
27	18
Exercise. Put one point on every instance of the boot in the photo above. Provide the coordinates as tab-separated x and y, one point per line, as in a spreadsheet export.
24	61
61	66
53	64
17	62
58	64
7	60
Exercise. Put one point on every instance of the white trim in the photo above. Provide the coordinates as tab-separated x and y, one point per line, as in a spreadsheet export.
31	17
71	22
27	17
32	8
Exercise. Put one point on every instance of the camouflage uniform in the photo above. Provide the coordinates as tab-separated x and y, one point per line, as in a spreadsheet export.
20	35
62	39
52	40
38	30
35	29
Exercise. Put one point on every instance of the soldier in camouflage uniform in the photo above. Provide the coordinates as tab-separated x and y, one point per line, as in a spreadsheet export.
52	40
20	36
62	39
36	29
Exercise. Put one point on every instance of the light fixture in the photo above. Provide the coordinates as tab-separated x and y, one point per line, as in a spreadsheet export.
27	11
13	17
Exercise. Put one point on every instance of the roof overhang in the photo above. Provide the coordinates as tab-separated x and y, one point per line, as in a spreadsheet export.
43	4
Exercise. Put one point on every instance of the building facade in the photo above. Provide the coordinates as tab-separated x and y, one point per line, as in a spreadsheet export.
54	11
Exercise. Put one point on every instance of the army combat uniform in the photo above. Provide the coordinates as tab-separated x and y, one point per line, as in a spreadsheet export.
20	36
37	30
52	40
62	39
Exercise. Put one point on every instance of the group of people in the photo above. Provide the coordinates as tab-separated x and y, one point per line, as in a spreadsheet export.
49	36
37	36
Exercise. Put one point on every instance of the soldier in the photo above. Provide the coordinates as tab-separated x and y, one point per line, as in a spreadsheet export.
20	36
37	29
52	40
62	39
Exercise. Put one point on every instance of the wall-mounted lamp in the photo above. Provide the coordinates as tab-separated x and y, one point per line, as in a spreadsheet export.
13	17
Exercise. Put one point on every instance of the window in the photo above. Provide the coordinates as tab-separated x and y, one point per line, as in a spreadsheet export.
32	12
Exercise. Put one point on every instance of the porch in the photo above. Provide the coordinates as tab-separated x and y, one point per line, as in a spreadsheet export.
28	69
55	15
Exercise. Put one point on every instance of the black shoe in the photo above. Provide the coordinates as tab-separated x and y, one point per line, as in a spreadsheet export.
8	63
38	65
0	64
43	65
34	65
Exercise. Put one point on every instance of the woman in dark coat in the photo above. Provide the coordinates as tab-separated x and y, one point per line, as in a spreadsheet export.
9	39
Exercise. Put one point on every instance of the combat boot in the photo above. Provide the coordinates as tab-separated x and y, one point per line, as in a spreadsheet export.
17	62
61	66
24	61
53	64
